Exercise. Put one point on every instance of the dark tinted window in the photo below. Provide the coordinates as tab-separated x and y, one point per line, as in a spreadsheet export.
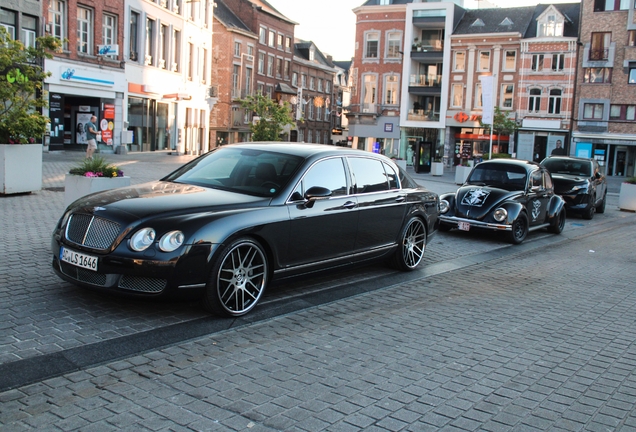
369	175
508	177
537	179
392	176
330	174
568	166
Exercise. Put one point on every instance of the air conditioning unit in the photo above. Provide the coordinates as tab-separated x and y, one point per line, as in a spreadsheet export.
148	60
213	91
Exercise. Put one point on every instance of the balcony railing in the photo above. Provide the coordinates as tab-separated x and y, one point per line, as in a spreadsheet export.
429	45
599	54
425	80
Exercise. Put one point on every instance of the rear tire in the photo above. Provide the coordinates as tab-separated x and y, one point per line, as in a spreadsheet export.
238	279
411	247
519	229
559	223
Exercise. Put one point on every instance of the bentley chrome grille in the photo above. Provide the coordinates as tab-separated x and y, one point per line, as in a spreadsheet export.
91	231
83	275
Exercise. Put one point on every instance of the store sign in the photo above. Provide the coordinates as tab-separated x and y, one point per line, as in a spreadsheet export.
482	137
107	50
86	76
388	127
462	117
108	123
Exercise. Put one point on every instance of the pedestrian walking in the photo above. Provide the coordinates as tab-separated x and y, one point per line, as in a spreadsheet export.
91	137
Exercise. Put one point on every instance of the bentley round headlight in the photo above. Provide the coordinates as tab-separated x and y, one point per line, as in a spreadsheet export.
444	206
142	239
171	241
500	214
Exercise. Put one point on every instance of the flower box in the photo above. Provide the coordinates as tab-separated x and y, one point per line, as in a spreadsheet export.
76	186
627	197
461	174
437	168
20	168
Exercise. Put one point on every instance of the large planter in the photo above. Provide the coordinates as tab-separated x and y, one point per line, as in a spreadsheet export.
437	168
20	168
76	186
461	174
627	197
401	163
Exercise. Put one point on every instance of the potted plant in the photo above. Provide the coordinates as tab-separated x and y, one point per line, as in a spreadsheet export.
90	176
627	195
22	124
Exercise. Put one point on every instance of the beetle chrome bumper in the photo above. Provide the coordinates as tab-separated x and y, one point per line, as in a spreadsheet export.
452	220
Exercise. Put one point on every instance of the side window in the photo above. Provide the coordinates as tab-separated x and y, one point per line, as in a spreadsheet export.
537	179
369	175
329	173
392	176
547	180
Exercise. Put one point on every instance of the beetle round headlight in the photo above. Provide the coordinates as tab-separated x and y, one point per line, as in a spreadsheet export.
500	214
171	241
142	239
444	206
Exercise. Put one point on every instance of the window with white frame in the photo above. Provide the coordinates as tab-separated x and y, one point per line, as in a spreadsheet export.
459	62
391	90
457	95
261	63
150	41
478	100
510	60
250	50
164	46
551	26
8	21
176	50
597	75
317	137
593	111
312	54
279	41
370	88
303	81
319	85
312	83
237	49
294	79
537	62
109	30
534	100
279	68
393	45
176	7
236	70
133	38
29	30
371	44
204	66
84	30
327	86
272	38
190	61
262	35
311	108
287	69
507	92
248	81
554	101
558	62
57	15
270	65
484	61
287	44
319	113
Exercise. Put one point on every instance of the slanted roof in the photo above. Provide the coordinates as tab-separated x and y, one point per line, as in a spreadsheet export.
302	48
569	10
266	7
226	17
496	20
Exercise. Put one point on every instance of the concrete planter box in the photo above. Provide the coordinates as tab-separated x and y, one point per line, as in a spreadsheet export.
76	186
20	168
461	174
627	197
437	169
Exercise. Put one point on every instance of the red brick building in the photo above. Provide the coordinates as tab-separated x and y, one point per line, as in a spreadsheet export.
605	107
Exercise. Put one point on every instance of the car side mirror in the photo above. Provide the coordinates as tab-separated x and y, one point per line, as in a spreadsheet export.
317	192
598	175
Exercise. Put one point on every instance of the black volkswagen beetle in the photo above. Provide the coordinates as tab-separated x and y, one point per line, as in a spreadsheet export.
507	195
580	182
230	221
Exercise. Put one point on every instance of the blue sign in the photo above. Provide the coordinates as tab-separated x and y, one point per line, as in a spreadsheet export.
584	150
388	127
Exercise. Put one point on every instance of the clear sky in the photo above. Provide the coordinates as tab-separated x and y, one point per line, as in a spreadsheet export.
331	24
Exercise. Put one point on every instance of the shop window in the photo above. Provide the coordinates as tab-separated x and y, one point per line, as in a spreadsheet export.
534	100
371	45
554	101
84	30
459	64
597	75
593	111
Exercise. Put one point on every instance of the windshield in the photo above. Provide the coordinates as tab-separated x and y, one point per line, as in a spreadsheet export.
247	171
568	166
508	177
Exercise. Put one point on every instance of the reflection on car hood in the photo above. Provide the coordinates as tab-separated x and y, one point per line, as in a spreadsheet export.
565	182
475	202
161	197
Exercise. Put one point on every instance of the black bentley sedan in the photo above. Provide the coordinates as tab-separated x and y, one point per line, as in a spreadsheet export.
227	223
513	196
580	182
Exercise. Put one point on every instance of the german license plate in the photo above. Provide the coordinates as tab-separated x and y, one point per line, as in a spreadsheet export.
78	259
464	226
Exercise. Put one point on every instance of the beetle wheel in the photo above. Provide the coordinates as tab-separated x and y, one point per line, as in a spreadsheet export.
238	279
559	223
519	229
411	247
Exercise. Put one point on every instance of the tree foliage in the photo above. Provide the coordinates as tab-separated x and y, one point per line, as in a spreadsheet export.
502	124
21	80
272	117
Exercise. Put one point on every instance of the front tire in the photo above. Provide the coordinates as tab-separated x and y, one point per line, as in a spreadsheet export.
601	208
238	279
519	229
411	247
589	212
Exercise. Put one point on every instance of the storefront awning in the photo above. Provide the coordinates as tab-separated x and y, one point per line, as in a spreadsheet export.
284	88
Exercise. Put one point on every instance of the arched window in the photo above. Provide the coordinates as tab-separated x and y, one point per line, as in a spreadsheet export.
554	102
534	100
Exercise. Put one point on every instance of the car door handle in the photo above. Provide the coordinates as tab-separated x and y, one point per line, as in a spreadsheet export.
349	205
401	198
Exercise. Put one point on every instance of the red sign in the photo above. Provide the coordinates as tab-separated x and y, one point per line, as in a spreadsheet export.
109	111
478	137
463	117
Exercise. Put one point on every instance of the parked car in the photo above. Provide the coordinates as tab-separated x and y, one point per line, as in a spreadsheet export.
580	182
511	196
227	223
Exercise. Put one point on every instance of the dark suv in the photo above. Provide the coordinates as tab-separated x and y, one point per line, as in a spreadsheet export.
580	182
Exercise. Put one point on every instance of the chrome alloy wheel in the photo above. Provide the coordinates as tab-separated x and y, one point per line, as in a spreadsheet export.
414	243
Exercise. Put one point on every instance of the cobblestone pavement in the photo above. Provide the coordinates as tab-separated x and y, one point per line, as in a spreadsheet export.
548	342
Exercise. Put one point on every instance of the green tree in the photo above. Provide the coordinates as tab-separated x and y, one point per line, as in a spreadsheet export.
21	80
272	117
502	124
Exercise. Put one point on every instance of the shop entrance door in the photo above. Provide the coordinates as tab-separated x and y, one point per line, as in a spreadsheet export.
620	161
